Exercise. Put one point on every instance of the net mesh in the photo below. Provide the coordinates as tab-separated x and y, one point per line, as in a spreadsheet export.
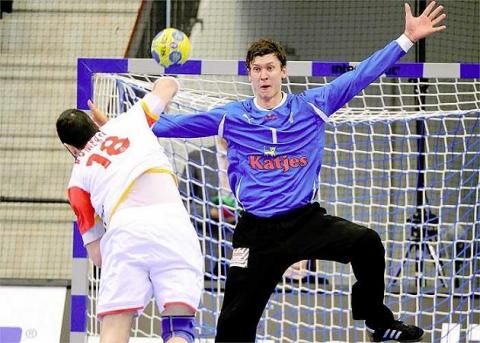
42	39
369	176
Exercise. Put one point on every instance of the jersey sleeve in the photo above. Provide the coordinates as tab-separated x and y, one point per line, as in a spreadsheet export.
152	106
190	125
90	226
328	99
148	109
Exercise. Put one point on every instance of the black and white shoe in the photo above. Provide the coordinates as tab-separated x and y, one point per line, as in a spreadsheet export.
397	331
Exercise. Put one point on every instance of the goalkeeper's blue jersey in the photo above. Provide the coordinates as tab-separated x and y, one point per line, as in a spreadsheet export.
275	155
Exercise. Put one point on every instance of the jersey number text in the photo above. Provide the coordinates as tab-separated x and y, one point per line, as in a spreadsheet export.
112	145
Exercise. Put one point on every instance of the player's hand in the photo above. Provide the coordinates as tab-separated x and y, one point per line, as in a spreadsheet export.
98	116
165	88
424	25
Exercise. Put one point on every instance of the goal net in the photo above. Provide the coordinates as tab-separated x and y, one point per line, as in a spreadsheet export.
401	158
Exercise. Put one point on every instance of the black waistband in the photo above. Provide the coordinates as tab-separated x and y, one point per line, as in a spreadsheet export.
299	211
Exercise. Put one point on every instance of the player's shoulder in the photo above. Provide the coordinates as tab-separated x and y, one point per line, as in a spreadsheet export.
237	108
291	97
129	121
77	176
239	105
296	99
308	95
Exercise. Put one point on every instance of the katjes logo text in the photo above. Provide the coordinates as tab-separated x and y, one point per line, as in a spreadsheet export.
281	162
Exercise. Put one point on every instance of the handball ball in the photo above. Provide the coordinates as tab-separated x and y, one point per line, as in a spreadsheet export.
170	46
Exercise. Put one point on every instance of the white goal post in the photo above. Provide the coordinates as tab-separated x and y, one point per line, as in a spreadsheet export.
402	158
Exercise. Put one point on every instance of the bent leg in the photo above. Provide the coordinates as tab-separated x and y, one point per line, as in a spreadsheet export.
368	264
333	238
116	327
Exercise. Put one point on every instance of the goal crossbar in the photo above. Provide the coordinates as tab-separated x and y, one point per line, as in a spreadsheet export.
86	67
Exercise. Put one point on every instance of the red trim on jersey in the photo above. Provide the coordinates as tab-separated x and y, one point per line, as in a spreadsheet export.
82	206
151	118
123	310
180	303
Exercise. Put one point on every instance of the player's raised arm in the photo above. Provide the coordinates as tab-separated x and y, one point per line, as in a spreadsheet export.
154	102
185	125
330	98
425	24
195	125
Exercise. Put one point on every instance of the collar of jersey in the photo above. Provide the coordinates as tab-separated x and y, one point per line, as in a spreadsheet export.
284	98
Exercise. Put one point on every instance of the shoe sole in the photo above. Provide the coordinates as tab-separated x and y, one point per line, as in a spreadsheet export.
370	335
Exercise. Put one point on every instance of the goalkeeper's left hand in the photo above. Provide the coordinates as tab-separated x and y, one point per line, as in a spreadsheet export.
425	24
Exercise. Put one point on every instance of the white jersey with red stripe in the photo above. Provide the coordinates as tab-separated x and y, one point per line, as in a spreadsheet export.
108	165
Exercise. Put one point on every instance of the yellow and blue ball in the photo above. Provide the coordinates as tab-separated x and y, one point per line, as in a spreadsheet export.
170	46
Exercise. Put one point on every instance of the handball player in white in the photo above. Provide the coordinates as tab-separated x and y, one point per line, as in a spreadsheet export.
132	220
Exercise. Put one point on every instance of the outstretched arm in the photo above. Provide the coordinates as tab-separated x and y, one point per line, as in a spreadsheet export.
328	99
424	25
198	125
163	91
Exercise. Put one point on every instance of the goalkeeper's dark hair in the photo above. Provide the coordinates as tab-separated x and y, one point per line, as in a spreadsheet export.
264	47
75	127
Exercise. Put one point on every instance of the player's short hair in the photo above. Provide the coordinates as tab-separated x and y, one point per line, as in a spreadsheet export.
75	127
264	47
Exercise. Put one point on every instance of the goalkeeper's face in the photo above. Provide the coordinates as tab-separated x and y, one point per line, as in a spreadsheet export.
266	75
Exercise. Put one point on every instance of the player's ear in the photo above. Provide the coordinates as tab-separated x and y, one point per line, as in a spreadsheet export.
71	149
284	72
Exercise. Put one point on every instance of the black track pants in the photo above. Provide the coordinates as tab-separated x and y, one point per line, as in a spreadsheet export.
265	247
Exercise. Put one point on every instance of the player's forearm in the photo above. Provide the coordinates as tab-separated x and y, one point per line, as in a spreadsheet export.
98	116
348	85
93	250
155	102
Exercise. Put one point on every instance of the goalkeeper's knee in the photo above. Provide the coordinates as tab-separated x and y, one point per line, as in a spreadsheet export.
178	326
